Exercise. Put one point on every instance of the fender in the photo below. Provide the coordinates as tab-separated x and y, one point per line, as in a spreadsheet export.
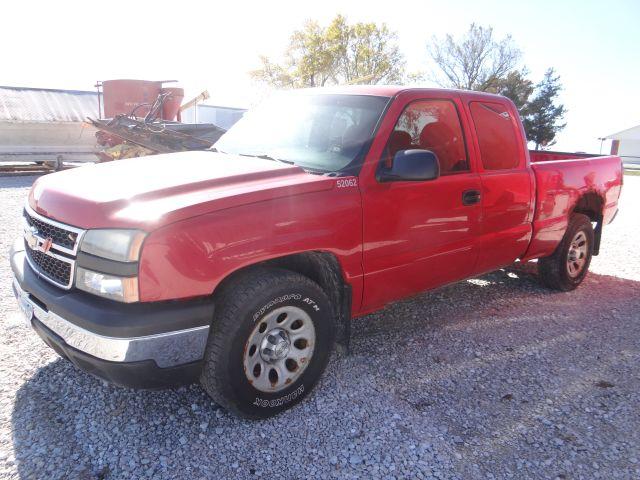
191	257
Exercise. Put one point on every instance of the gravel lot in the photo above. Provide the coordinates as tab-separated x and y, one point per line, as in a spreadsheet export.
494	377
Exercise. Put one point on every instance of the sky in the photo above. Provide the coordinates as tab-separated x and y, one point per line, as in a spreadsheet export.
593	46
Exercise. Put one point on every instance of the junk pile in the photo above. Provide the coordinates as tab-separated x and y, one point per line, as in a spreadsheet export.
135	126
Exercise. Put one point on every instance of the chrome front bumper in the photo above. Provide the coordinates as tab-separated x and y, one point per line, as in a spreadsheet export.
165	349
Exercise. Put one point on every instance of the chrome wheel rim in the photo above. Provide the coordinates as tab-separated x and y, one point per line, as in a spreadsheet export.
279	349
577	256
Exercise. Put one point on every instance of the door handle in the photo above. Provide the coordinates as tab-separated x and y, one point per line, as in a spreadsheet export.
470	197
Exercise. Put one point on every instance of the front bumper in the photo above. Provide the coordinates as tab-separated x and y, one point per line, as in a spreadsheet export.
145	345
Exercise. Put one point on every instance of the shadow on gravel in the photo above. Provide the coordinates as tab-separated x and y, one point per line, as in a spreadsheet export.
479	346
518	377
61	412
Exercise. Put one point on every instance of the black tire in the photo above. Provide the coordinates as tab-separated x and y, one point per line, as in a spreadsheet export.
240	307
554	271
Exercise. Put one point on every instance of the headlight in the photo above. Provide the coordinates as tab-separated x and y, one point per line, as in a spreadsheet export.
122	289
119	245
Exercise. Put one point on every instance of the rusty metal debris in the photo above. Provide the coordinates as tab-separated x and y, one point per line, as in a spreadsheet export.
127	136
33	168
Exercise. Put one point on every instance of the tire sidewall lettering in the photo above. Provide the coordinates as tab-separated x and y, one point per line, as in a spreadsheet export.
284	298
278	402
281	299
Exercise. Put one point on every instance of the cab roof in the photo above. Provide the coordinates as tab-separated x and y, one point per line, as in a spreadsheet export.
391	90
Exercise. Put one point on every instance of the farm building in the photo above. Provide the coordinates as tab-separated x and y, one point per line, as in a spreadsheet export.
41	124
48	125
626	144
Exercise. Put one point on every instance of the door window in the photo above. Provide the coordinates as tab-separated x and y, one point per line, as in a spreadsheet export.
430	125
496	135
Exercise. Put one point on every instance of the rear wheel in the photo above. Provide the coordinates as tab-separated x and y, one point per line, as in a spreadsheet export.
567	267
270	341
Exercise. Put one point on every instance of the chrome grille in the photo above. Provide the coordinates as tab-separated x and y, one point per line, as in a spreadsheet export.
51	248
60	236
53	268
65	237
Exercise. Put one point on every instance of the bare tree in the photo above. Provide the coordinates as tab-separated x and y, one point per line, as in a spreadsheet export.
475	61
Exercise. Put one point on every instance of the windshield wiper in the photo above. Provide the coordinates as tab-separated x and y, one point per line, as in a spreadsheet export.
264	156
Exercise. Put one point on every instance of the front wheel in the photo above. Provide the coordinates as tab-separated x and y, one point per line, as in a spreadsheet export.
269	344
566	268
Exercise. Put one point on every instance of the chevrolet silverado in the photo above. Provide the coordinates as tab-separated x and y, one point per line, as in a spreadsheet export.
241	266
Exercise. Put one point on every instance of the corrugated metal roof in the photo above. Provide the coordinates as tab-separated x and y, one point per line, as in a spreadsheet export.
21	104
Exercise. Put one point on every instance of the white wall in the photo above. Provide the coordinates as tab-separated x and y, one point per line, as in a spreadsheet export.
629	150
220	116
42	141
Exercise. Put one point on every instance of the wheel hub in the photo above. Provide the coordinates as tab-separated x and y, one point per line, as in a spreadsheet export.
275	345
279	349
577	255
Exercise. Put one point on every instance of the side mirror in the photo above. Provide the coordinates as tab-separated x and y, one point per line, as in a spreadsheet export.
412	165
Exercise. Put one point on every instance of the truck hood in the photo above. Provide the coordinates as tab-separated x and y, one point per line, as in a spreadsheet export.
150	192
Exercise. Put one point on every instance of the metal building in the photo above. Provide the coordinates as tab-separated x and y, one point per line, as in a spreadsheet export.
41	124
223	117
626	144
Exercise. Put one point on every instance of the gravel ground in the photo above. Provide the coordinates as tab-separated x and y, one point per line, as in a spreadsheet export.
494	377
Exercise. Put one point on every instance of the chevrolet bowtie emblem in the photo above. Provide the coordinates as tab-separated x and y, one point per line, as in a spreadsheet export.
46	245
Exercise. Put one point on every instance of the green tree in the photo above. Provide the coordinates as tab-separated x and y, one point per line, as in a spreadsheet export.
516	86
341	53
365	53
308	61
273	74
310	54
475	61
543	115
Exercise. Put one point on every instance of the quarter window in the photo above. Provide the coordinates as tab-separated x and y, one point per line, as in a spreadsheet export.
430	125
497	137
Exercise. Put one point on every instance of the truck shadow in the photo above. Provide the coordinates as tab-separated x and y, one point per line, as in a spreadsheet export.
479	343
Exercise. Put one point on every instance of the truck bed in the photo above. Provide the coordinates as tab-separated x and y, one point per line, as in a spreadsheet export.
565	186
537	156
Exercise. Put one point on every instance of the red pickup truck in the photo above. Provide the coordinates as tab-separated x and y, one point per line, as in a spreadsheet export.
239	267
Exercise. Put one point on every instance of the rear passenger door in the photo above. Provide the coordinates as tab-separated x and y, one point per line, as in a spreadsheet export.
507	183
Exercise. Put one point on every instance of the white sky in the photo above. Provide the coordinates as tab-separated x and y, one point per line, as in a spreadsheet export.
594	46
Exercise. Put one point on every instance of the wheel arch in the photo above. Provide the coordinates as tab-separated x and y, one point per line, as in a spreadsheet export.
319	266
592	204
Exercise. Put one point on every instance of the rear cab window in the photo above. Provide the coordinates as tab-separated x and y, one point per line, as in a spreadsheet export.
497	136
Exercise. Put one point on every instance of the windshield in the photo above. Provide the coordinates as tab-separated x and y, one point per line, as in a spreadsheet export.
318	132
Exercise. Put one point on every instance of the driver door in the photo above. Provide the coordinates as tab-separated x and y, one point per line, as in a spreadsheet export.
421	234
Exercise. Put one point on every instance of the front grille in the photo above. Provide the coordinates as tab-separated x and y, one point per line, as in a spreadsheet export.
51	248
53	268
60	236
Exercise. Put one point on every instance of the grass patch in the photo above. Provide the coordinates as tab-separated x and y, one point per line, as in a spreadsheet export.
633	173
